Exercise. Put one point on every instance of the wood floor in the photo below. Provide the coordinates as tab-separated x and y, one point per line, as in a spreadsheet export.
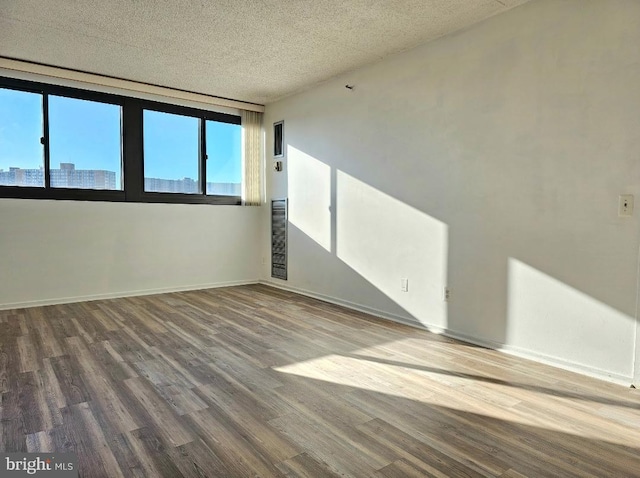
253	381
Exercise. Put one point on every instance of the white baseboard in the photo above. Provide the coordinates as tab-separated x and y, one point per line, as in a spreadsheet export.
543	358
594	372
355	306
506	348
117	295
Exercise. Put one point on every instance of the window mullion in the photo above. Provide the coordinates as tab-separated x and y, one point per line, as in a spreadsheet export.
132	150
45	140
203	156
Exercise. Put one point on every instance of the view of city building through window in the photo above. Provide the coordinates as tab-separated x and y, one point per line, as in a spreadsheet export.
21	127
224	153
171	152
70	177
85	139
85	147
65	177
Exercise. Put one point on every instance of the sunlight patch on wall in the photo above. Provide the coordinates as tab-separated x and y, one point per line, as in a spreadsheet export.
310	196
553	318
385	240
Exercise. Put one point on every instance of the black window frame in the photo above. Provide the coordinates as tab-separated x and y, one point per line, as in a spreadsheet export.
132	168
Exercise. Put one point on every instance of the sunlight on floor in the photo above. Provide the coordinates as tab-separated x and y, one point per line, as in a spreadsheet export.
376	369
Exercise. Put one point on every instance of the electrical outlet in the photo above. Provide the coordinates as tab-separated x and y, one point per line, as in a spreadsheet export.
264	260
404	285
625	205
446	294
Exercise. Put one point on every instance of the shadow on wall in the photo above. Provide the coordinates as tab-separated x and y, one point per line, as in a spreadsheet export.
380	238
497	298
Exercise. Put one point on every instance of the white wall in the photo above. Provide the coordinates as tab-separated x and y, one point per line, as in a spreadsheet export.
58	251
489	161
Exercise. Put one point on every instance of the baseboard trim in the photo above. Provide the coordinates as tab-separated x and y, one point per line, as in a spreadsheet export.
355	306
539	357
118	295
592	372
505	348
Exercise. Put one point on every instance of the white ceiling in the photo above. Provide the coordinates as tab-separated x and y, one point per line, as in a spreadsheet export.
249	50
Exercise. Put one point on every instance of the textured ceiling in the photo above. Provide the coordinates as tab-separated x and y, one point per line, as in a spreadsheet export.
249	50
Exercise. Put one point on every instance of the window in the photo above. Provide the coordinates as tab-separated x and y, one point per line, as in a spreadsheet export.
224	158
278	139
171	153
85	147
21	143
65	143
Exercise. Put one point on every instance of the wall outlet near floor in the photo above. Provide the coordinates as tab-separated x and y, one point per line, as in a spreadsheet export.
404	285
625	205
446	294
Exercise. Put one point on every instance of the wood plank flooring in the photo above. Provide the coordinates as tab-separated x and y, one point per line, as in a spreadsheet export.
253	381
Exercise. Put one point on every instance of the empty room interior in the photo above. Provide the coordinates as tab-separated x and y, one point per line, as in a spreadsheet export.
319	238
